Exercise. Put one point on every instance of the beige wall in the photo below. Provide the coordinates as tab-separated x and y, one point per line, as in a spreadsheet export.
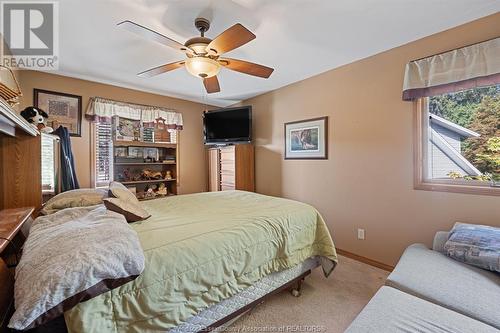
367	182
192	158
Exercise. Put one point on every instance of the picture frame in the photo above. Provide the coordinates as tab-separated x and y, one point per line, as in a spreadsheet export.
121	152
151	154
63	109
135	152
306	139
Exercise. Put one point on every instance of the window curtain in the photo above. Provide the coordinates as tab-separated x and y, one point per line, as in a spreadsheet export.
102	110
472	66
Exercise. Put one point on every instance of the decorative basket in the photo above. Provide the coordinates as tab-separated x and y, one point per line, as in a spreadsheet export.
9	95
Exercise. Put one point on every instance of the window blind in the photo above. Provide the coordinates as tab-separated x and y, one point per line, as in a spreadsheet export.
104	155
48	161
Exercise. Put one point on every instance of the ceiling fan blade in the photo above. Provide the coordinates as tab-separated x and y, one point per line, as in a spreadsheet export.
162	69
246	67
230	39
211	84
153	35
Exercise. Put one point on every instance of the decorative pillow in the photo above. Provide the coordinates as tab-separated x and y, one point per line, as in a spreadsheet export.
118	190
132	211
72	256
75	198
477	245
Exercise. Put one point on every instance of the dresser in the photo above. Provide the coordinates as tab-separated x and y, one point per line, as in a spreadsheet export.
231	168
11	239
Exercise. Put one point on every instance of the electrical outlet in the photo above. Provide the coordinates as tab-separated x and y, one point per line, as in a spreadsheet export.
361	233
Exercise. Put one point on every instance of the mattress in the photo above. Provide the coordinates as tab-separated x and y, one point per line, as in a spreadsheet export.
266	285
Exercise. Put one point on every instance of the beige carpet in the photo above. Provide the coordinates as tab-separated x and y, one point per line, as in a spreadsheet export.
326	305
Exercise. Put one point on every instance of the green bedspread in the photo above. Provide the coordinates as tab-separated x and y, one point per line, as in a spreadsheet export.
203	248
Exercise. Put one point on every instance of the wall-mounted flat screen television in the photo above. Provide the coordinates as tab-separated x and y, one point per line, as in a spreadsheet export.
226	126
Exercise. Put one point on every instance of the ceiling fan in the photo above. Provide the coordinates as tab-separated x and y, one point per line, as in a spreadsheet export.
204	54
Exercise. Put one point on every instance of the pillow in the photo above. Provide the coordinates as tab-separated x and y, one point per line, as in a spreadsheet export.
74	198
72	256
132	211
477	245
118	190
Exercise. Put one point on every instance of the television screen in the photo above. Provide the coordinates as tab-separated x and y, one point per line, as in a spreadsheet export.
228	125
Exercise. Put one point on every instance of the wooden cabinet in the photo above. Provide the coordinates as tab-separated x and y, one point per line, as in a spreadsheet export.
231	168
20	170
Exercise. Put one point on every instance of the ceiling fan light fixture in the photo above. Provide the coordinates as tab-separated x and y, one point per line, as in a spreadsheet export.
202	67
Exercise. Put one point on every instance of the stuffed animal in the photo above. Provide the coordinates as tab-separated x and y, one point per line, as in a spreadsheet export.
37	118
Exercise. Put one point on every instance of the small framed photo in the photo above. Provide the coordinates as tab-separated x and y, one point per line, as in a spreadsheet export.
307	139
151	154
63	109
136	152
121	151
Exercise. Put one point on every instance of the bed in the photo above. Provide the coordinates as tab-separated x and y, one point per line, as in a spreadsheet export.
207	257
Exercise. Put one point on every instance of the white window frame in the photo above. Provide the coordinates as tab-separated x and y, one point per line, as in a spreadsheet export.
93	159
420	162
53	140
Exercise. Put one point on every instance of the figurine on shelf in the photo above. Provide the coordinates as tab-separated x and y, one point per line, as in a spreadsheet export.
126	174
162	190
168	175
149	192
151	175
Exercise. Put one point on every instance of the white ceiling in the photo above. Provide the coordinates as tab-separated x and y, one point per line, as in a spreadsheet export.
297	38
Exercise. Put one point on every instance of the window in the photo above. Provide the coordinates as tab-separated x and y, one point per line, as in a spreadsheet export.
460	140
103	155
49	161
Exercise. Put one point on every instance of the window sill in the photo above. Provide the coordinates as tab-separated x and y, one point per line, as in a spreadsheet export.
457	188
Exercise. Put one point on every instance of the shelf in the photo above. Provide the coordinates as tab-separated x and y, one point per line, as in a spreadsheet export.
132	182
157	197
146	163
143	144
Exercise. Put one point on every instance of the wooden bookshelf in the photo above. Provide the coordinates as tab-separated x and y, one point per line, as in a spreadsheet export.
127	167
119	143
151	181
146	163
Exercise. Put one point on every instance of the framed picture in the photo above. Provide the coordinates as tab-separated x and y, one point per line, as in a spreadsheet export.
63	109
121	152
127	129
307	139
136	152
151	154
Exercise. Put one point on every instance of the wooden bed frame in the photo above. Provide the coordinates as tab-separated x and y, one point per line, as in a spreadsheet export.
294	286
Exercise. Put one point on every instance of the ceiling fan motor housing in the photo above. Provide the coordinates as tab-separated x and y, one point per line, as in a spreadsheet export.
202	24
198	44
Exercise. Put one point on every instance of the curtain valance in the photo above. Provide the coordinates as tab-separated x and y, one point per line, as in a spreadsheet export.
465	68
102	110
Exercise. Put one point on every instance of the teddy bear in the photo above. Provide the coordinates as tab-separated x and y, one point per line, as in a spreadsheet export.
37	118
